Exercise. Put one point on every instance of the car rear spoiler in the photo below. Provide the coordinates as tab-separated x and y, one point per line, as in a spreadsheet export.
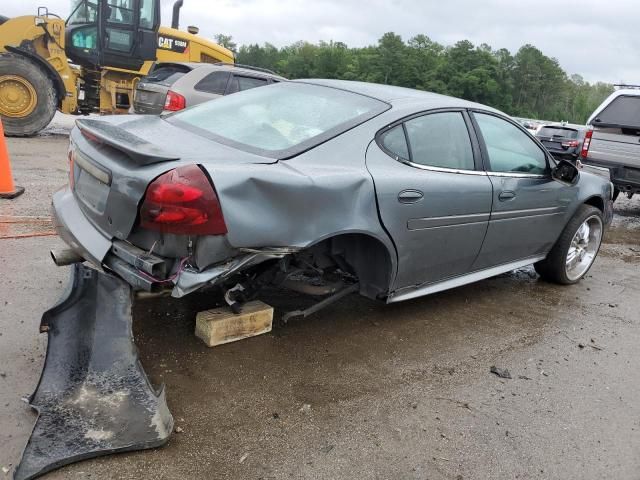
139	150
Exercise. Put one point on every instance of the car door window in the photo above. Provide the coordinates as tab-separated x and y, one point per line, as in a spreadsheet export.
510	149
215	82
239	83
440	140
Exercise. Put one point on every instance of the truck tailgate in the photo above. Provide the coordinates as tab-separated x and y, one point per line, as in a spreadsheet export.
615	149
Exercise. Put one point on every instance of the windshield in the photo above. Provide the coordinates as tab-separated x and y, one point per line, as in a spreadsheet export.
279	120
558	132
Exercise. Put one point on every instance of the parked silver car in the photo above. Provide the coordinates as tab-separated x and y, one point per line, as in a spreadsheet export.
171	86
325	187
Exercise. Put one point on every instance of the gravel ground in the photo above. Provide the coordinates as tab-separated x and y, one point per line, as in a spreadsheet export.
360	390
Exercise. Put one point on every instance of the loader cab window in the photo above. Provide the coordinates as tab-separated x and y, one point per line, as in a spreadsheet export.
82	29
147	14
113	33
83	11
120	11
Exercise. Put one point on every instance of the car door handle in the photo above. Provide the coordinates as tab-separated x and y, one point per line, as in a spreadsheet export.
410	196
506	195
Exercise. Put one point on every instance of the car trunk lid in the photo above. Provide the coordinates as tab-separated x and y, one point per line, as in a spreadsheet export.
554	137
150	98
115	159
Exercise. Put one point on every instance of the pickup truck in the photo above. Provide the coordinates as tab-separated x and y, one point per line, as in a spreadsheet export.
613	140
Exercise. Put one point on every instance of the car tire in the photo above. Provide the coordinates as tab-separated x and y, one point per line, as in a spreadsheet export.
576	249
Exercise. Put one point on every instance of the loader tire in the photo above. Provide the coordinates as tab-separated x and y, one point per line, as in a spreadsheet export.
27	96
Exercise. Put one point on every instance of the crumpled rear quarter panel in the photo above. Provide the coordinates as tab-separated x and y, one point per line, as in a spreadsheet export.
298	202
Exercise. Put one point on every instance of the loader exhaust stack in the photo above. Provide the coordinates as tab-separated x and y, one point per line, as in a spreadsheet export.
175	19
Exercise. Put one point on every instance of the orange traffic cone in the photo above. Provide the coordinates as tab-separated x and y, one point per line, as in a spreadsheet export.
7	187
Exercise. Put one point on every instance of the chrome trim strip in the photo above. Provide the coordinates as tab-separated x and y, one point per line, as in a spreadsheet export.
526	216
518	175
419	291
530	212
439	169
447	221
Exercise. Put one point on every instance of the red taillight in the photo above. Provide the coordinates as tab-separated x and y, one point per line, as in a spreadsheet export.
585	144
572	143
182	201
174	102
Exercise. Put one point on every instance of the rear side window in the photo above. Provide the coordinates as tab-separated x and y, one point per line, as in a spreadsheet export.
624	111
215	82
510	149
166	75
238	83
395	142
440	140
558	132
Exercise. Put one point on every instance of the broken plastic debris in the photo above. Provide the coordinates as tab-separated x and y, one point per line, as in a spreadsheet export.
501	372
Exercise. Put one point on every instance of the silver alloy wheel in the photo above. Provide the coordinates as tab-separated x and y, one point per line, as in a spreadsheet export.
584	247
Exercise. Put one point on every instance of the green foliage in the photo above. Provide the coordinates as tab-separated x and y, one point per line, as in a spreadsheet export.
527	84
226	41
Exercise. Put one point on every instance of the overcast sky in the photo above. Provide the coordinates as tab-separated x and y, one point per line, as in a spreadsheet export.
598	39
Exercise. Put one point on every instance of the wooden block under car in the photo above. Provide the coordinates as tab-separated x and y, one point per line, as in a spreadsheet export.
220	325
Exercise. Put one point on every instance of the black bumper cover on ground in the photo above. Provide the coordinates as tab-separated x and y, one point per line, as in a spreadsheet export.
93	397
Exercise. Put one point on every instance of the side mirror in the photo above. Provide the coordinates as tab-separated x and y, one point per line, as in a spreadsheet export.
566	172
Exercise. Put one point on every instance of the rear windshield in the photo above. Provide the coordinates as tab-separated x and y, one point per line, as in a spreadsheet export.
167	75
280	120
624	111
558	132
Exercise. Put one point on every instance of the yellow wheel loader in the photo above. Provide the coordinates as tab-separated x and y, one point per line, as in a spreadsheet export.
89	63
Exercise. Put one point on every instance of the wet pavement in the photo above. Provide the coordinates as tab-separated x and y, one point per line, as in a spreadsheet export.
359	390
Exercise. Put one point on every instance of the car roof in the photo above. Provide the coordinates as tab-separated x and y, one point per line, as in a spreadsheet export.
398	95
224	67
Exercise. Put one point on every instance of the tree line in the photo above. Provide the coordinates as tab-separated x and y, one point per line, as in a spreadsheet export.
528	84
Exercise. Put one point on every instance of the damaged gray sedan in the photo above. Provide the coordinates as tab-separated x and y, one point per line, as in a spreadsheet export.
316	185
319	185
322	187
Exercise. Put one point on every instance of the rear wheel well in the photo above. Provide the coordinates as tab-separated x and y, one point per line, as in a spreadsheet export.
368	258
597	202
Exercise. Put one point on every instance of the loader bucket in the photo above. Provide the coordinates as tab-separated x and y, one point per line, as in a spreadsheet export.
93	397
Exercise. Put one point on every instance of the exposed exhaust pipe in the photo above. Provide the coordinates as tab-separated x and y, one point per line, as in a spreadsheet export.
65	257
175	19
